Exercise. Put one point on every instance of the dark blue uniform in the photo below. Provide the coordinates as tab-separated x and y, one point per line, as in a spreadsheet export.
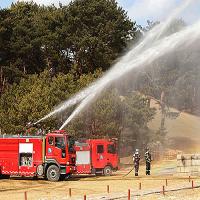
136	160
147	156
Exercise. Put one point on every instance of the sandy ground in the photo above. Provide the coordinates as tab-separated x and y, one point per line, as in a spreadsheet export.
96	187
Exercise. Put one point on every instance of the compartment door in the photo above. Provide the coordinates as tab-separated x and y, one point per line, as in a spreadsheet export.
26	159
83	162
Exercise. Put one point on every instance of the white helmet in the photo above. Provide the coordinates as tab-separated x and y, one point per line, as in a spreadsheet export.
136	151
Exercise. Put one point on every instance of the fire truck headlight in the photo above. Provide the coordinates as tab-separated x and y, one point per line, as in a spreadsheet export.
67	163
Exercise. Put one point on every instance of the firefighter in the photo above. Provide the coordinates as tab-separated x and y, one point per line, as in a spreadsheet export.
59	142
39	130
147	156
28	128
136	160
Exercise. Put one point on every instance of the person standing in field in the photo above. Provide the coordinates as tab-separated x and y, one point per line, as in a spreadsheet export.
136	160
147	156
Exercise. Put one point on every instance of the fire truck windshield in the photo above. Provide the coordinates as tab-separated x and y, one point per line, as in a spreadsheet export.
112	148
71	143
60	142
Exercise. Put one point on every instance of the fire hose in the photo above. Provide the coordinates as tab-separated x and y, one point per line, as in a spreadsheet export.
129	172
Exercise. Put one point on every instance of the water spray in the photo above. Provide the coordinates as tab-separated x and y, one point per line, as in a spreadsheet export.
160	48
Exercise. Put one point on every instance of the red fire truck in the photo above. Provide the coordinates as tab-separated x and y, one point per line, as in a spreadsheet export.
56	156
96	156
51	156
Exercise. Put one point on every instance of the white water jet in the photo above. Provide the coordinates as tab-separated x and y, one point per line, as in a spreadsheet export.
150	38
157	50
70	102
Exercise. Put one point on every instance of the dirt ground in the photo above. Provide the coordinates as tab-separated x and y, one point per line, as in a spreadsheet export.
96	187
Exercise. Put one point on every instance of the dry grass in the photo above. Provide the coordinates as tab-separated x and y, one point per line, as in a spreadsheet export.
183	132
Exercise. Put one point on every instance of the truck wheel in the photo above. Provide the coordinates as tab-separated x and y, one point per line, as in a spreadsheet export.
53	173
107	171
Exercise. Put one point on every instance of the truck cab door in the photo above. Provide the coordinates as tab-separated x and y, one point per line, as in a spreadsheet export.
99	159
56	149
112	156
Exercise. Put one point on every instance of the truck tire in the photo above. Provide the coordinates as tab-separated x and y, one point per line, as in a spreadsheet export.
53	173
107	171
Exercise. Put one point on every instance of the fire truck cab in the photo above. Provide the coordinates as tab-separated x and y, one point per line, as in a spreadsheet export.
96	156
51	156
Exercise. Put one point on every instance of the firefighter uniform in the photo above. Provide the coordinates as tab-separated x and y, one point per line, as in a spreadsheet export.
147	156
136	160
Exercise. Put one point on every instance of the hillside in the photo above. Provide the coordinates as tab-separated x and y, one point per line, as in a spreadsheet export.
183	132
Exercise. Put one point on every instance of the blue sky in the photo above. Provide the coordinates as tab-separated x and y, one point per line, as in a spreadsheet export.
139	10
5	3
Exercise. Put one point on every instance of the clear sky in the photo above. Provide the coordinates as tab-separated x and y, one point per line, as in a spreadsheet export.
139	10
5	3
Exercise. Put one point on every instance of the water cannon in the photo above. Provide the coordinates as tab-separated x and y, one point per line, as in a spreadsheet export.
32	124
29	124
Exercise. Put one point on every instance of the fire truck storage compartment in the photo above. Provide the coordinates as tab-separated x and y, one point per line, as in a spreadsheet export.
8	155
83	158
26	154
20	155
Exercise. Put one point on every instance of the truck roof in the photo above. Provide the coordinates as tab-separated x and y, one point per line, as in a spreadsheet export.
20	136
57	132
99	140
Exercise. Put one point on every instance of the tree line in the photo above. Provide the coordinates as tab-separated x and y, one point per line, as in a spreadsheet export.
80	38
49	53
